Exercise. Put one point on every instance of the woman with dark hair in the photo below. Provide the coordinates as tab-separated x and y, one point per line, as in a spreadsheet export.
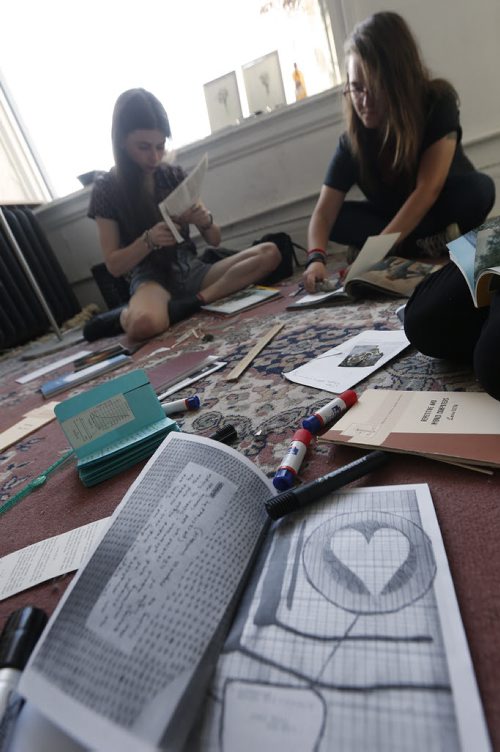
167	279
402	148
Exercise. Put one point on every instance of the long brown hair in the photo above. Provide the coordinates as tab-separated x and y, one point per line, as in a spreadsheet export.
393	70
135	109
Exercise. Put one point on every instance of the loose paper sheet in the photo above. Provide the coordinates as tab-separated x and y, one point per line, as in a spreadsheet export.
51	367
30	422
49	558
184	196
344	366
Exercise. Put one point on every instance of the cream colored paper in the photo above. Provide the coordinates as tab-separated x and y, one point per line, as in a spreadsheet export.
30	422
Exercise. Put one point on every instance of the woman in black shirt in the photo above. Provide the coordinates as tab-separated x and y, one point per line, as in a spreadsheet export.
402	148
167	279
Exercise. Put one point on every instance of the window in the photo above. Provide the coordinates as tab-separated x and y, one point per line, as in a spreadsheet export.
68	65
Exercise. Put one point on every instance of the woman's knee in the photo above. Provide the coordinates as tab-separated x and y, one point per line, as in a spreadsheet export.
270	255
487	353
140	325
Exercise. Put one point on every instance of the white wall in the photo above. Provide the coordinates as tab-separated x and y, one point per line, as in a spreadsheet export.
266	173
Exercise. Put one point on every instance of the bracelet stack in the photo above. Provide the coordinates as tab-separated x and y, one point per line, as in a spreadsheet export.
146	238
315	254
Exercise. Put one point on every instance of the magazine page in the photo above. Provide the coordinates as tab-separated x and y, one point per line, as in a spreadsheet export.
144	615
394	275
373	251
477	255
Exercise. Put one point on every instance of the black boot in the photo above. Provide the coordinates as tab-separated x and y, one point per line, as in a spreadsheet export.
182	308
103	325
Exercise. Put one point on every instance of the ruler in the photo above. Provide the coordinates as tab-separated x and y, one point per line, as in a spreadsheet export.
236	372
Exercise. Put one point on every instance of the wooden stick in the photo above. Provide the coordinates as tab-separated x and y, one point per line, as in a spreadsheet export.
236	372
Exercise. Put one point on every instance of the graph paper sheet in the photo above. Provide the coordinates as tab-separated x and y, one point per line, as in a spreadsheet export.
348	638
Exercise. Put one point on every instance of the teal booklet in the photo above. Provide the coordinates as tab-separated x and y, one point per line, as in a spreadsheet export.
113	426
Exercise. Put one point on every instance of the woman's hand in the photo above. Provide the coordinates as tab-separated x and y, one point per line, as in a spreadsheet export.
315	272
160	236
197	215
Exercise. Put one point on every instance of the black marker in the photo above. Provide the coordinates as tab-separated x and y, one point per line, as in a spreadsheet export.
290	501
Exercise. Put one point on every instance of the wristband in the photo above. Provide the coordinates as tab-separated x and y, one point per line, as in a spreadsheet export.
316	250
146	238
210	223
315	256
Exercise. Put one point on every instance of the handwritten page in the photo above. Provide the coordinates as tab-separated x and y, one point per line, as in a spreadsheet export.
48	558
344	366
153	602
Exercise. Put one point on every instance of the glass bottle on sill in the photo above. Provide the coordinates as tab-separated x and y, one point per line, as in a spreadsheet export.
300	87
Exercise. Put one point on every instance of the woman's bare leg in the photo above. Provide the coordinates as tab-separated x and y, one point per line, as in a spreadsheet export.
236	272
146	313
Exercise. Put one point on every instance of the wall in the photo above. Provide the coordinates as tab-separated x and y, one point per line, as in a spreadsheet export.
266	173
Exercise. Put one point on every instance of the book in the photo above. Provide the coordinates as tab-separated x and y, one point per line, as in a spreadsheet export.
182	369
352	361
242	300
349	613
74	378
453	426
477	255
374	271
113	426
183	197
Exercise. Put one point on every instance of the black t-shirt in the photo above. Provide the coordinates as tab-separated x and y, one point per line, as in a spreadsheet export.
343	171
105	200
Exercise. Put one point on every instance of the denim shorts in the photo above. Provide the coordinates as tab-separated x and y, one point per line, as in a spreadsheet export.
178	270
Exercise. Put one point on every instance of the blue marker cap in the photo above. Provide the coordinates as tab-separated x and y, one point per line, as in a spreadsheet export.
193	403
283	479
312	424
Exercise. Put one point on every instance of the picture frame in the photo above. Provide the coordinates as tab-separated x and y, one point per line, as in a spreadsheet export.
223	102
264	83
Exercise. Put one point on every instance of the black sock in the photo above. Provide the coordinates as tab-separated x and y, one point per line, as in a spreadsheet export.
181	308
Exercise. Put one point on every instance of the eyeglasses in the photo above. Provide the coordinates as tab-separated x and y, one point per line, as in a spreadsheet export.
356	91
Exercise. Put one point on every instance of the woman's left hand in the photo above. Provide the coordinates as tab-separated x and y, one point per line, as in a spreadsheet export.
197	215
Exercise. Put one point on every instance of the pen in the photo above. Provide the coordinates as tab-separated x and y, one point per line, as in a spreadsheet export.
181	405
330	412
302	496
17	640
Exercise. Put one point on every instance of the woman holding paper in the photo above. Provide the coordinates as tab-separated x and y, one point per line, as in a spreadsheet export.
402	149
168	281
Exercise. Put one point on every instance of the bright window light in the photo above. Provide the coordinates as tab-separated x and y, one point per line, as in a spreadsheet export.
69	62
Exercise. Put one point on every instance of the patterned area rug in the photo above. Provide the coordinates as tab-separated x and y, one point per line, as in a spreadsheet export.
266	408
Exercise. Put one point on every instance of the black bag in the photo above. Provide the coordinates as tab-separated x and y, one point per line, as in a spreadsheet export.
288	255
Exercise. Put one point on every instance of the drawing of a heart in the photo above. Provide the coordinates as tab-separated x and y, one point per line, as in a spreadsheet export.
372	556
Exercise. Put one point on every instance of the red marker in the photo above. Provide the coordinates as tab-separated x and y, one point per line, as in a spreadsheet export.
330	412
290	466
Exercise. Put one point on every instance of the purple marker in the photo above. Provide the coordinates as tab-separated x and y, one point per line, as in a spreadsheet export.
181	405
290	466
330	412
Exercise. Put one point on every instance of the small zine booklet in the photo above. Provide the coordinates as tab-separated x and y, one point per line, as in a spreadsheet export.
242	300
477	255
113	426
374	271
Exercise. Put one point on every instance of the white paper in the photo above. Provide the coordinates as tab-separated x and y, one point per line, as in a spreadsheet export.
349	637
152	600
49	558
344	366
52	367
182	198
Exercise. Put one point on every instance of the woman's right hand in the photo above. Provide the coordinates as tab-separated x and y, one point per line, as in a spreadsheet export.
315	272
161	236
